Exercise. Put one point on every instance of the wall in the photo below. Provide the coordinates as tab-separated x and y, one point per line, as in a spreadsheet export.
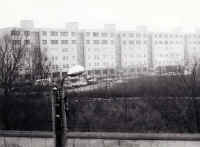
26	139
131	140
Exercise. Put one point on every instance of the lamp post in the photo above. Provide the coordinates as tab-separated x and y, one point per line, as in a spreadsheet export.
60	103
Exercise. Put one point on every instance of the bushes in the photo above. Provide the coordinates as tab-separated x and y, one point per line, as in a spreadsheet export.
28	112
146	114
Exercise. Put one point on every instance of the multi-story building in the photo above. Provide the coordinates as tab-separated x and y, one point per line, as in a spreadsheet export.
107	49
168	49
61	47
99	48
134	48
193	48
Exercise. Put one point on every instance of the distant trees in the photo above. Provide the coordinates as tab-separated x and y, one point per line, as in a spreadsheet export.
40	65
12	53
19	56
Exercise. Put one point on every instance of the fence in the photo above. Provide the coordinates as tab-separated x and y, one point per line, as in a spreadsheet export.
134	114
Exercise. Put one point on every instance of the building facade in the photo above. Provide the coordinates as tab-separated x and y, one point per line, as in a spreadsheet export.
168	49
109	49
135	50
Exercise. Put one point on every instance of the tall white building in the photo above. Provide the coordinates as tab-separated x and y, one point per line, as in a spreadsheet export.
193	48
168	49
99	49
61	47
108	49
134	48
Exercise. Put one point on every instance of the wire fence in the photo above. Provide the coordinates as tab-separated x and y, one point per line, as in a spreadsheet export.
134	114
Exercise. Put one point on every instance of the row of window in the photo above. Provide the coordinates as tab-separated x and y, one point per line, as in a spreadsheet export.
105	34
97	34
98	57
169	55
18	42
61	41
100	41
135	56
54	33
141	63
132	42
166	62
18	33
100	64
56	67
54	58
132	35
194	42
167	36
168	42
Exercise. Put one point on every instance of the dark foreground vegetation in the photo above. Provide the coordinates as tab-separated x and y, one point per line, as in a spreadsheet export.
145	104
142	114
26	111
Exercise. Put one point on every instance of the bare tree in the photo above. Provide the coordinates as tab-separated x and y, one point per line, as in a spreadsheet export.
185	84
40	67
12	52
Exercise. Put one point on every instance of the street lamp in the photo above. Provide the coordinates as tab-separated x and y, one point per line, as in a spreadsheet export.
61	120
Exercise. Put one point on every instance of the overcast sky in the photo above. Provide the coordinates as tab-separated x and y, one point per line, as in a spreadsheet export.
126	14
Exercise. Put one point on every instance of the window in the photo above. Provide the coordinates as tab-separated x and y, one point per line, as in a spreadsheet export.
65	58
111	34
54	41
65	66
64	41
16	33
44	33
96	41
87	33
15	42
131	35
64	49
53	33
73	41
63	33
87	41
73	34
104	34
138	42
27	41
131	41
27	33
95	34
104	42
138	35
44	41
111	41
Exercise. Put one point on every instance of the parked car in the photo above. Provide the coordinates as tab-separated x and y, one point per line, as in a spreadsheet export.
43	82
79	83
92	81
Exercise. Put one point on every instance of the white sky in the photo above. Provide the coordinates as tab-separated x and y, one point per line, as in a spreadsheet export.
126	14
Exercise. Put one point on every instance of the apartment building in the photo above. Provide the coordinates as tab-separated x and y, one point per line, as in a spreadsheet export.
107	49
134	48
61	47
168	49
99	49
193	48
